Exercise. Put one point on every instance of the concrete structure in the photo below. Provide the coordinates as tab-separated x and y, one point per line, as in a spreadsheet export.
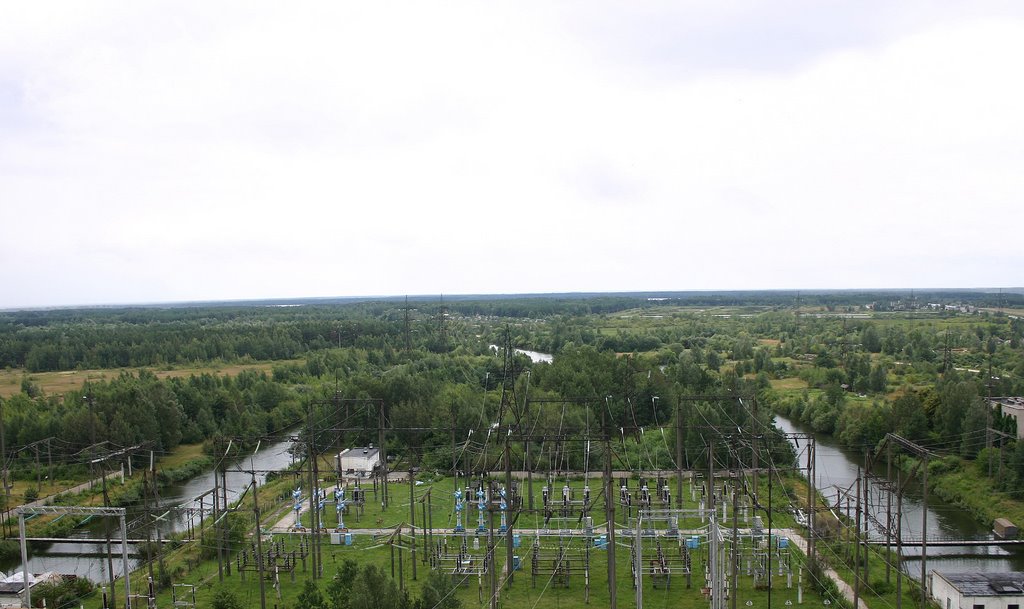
1004	529
12	588
978	590
1012	407
359	462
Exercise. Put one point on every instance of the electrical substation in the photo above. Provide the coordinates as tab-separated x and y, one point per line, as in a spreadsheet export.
540	496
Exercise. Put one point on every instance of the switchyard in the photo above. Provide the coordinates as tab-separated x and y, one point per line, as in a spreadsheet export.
533	508
540	497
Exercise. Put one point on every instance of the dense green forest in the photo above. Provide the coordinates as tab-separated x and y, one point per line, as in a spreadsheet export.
856	365
68	339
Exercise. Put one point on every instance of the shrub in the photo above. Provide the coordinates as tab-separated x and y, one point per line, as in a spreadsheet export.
225	599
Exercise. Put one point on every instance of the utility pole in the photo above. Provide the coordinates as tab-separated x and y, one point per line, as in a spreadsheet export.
924	534
224	503
216	522
867	502
39	473
946	353
125	573
106	532
753	447
811	499
528	441
638	562
923	454
259	542
856	549
609	510
314	495
442	329
412	513
407	330
888	514
156	503
49	461
714	547
430	527
455	465
899	538
149	517
381	422
679	455
3	456
734	572
492	562
92	420
988	416
768	561
510	521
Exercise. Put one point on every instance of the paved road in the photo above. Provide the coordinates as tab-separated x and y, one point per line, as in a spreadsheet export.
844	587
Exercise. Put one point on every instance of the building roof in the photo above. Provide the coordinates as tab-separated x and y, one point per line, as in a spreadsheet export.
987	584
11	587
367	452
1012	402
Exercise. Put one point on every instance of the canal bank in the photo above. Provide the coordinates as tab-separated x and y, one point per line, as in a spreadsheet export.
181	503
837	469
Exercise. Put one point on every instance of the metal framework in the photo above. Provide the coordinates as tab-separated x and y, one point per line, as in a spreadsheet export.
76	511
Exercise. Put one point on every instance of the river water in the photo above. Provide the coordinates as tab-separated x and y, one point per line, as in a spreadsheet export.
837	468
535	356
270	457
89	560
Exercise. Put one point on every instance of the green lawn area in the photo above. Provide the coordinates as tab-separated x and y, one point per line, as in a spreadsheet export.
789	384
181	455
526	590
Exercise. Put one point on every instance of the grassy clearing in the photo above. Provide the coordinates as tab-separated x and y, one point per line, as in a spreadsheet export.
58	383
1006	310
968	486
181	455
789	384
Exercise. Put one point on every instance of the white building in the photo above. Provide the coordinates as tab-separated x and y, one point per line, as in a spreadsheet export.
361	462
978	590
12	587
1012	407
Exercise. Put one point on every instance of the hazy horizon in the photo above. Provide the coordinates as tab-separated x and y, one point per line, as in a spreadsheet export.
437	297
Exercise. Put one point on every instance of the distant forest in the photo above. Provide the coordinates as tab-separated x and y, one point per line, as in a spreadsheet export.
112	337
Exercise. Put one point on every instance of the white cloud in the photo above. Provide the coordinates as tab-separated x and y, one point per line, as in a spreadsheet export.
190	151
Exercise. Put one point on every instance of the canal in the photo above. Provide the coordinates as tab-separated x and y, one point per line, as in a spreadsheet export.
836	470
90	560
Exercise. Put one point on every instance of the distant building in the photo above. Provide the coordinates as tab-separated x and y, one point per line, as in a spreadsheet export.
12	588
360	462
978	590
1012	407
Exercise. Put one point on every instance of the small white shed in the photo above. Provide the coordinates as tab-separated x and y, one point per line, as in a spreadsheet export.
358	461
978	590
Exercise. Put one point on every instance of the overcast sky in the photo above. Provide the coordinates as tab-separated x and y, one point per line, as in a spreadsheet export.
155	152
